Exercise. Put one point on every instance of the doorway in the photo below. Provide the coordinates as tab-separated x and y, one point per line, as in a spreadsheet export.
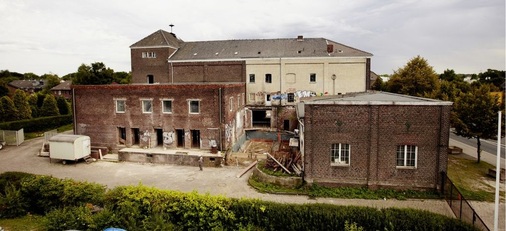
122	135
286	125
195	138
180	138
135	136
159	136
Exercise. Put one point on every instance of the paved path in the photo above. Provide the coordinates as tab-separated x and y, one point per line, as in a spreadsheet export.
215	181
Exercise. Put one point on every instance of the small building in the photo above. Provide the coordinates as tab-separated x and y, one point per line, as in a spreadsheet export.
374	139
29	86
64	89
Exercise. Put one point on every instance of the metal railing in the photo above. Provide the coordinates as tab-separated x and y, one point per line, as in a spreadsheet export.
459	205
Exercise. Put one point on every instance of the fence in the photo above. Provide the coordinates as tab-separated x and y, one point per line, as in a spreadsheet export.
459	205
13	137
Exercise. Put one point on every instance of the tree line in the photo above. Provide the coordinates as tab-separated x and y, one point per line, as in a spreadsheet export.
477	101
20	105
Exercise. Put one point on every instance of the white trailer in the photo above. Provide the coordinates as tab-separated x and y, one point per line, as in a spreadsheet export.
69	147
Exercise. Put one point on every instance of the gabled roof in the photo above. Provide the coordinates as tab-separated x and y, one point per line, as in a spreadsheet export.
64	86
249	48
28	84
264	48
159	38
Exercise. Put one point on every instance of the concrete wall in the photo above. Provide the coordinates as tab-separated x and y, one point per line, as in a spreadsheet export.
373	132
293	76
177	159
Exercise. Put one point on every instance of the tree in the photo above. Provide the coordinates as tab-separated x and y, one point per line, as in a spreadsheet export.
32	101
95	74
494	77
378	85
49	106
9	112
449	75
475	116
63	106
23	107
51	81
122	77
416	78
3	90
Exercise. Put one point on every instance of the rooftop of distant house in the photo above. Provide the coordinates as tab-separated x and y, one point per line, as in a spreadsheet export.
28	84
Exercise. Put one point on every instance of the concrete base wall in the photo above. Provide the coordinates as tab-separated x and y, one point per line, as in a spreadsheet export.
177	159
283	181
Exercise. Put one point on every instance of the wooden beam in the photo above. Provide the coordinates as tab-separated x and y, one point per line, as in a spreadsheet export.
247	169
269	155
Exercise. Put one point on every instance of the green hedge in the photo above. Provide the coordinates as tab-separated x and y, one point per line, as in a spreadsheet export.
38	124
68	204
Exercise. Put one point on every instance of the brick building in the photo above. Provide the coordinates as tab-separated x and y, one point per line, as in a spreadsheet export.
190	116
374	139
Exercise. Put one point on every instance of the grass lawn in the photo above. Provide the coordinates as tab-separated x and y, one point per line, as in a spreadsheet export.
26	223
471	178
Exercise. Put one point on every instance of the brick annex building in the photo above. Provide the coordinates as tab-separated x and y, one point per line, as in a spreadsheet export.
375	139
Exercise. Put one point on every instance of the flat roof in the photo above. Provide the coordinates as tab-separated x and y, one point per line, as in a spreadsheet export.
373	98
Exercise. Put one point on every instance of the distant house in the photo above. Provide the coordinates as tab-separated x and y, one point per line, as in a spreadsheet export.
63	89
29	86
374	139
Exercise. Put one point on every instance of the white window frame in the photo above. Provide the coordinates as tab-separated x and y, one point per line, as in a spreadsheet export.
311	76
163	106
238	101
143	106
190	108
116	101
339	150
231	106
404	151
149	55
268	78
252	97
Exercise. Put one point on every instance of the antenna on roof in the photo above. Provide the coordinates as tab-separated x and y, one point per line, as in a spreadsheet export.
171	25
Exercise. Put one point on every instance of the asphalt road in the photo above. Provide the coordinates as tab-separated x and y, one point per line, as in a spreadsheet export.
489	146
215	181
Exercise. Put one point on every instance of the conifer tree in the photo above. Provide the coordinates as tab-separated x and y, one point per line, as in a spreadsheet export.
49	106
23	107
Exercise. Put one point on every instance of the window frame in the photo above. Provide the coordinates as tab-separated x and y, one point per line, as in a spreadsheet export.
290	97
143	106
312	78
190	106
116	101
268	78
231	102
405	151
148	55
252	77
340	149
163	106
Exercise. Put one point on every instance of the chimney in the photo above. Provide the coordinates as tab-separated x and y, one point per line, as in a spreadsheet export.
300	38
330	48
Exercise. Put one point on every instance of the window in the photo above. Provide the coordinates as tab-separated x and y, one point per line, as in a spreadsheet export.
194	106
147	106
166	106
251	78
150	79
238	101
406	155
268	78
252	97
340	154
231	103
291	97
120	105
149	55
312	78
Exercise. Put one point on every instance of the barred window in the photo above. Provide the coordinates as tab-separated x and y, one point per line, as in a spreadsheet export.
407	155
340	154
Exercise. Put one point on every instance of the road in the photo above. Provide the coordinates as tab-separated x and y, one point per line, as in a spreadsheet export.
489	146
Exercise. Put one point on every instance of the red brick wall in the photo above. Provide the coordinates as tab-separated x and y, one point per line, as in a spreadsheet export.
158	67
373	133
95	114
184	72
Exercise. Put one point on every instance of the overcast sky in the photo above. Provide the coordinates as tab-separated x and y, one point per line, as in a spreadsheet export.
56	36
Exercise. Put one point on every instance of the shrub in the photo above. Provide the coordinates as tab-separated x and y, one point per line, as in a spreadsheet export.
13	178
69	218
38	124
12	203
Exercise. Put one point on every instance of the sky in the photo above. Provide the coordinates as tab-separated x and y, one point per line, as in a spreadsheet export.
57	36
